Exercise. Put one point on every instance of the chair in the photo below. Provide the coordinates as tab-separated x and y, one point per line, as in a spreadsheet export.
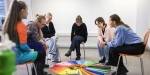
138	56
27	64
83	47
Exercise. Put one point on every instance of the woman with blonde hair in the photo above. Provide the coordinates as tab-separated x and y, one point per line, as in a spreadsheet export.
35	41
48	31
78	35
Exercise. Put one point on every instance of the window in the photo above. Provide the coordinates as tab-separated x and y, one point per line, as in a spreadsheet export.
2	11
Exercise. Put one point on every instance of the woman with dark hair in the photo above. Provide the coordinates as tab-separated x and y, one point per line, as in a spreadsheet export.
105	34
35	41
125	41
17	32
78	35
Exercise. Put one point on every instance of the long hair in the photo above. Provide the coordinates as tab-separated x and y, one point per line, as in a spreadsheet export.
118	21
79	18
12	19
39	19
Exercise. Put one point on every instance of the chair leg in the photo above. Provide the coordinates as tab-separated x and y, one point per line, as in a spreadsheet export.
118	64
27	69
126	60
84	50
142	66
35	69
70	57
59	57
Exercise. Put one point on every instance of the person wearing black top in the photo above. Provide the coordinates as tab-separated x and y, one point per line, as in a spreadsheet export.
78	35
48	30
50	39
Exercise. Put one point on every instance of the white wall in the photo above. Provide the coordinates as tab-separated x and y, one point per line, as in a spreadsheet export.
143	17
65	11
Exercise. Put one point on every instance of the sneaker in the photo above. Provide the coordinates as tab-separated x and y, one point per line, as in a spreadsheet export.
46	66
56	61
102	60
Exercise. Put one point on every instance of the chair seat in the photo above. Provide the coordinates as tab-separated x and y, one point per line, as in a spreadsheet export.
131	55
26	63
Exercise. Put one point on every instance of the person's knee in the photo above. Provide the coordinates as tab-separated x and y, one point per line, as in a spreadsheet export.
54	38
112	50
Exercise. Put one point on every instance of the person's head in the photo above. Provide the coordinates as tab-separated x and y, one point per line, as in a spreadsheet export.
115	21
100	22
41	20
79	20
17	12
49	16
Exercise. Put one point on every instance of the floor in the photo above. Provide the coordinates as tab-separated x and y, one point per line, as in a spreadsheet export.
133	63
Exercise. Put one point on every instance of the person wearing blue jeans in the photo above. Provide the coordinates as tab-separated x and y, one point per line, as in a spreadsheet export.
78	35
53	52
103	53
105	34
50	39
77	40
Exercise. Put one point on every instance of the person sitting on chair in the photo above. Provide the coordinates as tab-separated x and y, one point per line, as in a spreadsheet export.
35	41
78	35
105	34
51	40
17	32
125	41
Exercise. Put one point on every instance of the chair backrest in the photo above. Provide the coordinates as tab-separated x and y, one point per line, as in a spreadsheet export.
146	37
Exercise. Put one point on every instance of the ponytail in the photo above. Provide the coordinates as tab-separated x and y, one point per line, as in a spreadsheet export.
12	19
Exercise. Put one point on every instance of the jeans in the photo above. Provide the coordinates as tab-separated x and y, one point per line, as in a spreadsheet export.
75	44
53	52
103	52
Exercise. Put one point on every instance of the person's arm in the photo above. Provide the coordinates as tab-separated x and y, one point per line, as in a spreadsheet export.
85	33
100	39
46	32
24	47
32	32
118	39
72	32
22	33
111	33
53	30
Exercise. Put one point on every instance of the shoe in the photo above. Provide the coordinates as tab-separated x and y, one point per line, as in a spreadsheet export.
78	58
68	53
102	60
56	61
46	66
114	73
107	63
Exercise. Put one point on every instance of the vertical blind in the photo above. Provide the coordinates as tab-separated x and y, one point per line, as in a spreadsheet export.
2	9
